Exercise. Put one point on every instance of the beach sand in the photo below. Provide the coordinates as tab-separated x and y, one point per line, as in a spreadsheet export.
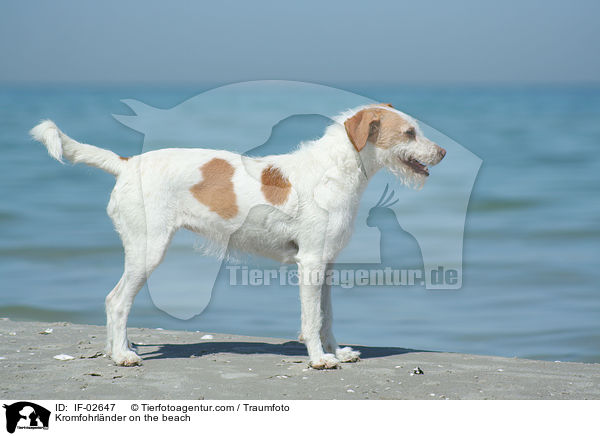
182	365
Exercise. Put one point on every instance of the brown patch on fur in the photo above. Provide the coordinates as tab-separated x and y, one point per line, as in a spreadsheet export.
382	104
216	188
275	187
123	158
381	127
394	129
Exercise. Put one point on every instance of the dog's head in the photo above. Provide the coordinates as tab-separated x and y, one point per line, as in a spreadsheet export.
396	140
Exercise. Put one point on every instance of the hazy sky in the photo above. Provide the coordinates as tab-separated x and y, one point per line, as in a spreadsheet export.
333	42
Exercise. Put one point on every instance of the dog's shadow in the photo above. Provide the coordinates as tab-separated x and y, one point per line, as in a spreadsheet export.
290	348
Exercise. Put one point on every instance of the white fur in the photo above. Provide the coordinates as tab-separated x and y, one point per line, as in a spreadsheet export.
152	200
59	145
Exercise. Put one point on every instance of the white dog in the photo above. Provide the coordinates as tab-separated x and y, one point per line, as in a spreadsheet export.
294	208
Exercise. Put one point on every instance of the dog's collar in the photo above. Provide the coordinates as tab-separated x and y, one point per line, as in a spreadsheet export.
361	165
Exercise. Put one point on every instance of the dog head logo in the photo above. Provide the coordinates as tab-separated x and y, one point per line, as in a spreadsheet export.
26	415
246	118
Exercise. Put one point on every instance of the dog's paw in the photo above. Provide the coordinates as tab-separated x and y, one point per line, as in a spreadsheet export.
128	358
328	361
347	354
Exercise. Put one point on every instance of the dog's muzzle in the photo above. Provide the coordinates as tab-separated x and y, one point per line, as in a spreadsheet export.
420	166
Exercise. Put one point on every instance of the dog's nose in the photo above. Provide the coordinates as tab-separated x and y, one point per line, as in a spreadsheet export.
442	152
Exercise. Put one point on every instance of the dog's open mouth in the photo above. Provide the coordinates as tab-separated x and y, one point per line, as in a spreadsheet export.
416	166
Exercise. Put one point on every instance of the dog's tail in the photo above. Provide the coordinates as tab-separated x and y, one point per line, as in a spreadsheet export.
59	145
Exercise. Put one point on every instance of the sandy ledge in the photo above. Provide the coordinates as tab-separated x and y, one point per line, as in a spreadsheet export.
181	365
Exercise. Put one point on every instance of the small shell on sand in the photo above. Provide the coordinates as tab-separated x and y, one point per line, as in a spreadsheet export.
63	357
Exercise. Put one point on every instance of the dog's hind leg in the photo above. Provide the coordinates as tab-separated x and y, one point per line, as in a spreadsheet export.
143	253
109	321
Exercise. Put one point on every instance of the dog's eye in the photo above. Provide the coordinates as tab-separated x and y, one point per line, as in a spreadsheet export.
411	132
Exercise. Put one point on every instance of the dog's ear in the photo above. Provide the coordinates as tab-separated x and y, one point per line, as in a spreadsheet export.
388	105
363	127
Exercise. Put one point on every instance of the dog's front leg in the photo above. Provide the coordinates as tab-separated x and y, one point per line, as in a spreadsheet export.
327	338
311	275
345	354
